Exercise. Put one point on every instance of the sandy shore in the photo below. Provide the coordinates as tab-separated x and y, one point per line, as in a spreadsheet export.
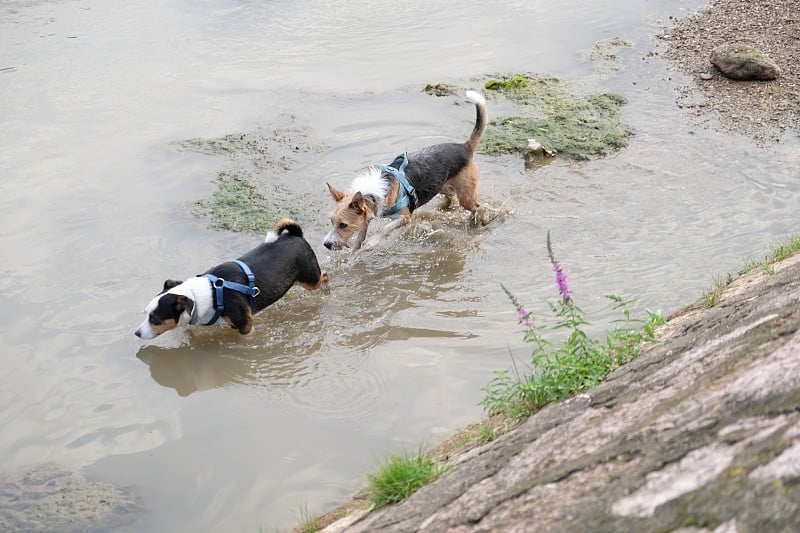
763	110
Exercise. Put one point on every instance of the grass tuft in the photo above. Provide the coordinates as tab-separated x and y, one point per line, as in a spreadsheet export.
784	249
400	477
780	251
308	522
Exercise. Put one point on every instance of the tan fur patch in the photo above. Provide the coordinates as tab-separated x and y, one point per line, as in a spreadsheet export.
163	327
323	279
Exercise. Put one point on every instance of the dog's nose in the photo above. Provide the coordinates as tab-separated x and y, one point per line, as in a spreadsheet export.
328	245
138	333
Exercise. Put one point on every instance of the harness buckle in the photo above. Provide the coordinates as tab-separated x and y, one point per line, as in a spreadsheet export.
219	282
256	291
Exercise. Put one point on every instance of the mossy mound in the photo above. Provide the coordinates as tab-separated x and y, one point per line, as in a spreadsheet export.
576	127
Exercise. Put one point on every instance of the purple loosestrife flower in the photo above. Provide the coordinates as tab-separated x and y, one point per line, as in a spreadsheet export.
525	317
561	281
561	277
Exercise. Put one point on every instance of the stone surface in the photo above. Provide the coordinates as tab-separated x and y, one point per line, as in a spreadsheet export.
743	62
700	433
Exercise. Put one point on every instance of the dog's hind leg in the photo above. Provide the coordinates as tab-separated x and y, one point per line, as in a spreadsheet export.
450	199
465	184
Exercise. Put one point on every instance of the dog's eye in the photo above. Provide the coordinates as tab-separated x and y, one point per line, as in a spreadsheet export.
342	225
153	319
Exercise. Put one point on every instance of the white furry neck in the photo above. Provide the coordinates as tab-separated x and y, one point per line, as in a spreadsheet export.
199	290
370	183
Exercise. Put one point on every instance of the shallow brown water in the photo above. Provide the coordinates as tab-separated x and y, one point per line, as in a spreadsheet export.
216	431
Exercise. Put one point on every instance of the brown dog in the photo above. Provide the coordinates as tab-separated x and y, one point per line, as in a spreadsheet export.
410	181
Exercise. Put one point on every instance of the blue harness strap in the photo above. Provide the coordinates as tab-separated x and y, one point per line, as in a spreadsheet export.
405	193
219	284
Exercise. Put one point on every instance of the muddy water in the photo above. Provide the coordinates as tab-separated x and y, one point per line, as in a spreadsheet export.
214	431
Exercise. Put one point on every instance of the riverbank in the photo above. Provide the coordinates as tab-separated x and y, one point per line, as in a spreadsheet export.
762	110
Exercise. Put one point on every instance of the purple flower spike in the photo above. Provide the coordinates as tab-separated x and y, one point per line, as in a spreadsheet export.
524	317
561	281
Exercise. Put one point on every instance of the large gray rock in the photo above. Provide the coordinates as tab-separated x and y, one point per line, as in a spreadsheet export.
744	62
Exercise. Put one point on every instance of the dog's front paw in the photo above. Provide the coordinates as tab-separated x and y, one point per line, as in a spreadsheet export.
370	243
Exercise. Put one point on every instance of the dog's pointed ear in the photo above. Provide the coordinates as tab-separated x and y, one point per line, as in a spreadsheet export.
184	303
336	193
168	284
358	203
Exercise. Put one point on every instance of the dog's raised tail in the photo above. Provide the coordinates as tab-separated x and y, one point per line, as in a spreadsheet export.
284	224
481	121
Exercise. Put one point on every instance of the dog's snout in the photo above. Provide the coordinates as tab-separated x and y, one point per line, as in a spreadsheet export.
328	245
138	333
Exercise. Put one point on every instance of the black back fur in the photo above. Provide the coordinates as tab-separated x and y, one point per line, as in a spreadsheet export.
429	168
276	266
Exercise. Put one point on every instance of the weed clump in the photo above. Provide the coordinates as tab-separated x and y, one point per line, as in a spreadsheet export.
560	370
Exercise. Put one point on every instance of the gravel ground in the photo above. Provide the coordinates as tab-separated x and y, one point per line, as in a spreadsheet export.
762	110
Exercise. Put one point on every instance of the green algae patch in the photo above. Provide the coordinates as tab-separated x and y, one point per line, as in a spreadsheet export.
576	127
441	89
605	55
241	205
250	195
237	206
513	83
229	145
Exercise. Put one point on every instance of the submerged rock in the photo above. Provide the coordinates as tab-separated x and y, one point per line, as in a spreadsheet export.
743	62
48	497
537	155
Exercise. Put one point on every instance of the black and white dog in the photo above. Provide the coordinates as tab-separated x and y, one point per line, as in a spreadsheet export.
397	189
236	290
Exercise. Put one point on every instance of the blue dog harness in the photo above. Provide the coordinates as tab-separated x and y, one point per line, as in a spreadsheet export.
406	195
219	284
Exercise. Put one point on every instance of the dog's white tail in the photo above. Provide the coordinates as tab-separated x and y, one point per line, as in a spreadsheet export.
481	121
284	224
